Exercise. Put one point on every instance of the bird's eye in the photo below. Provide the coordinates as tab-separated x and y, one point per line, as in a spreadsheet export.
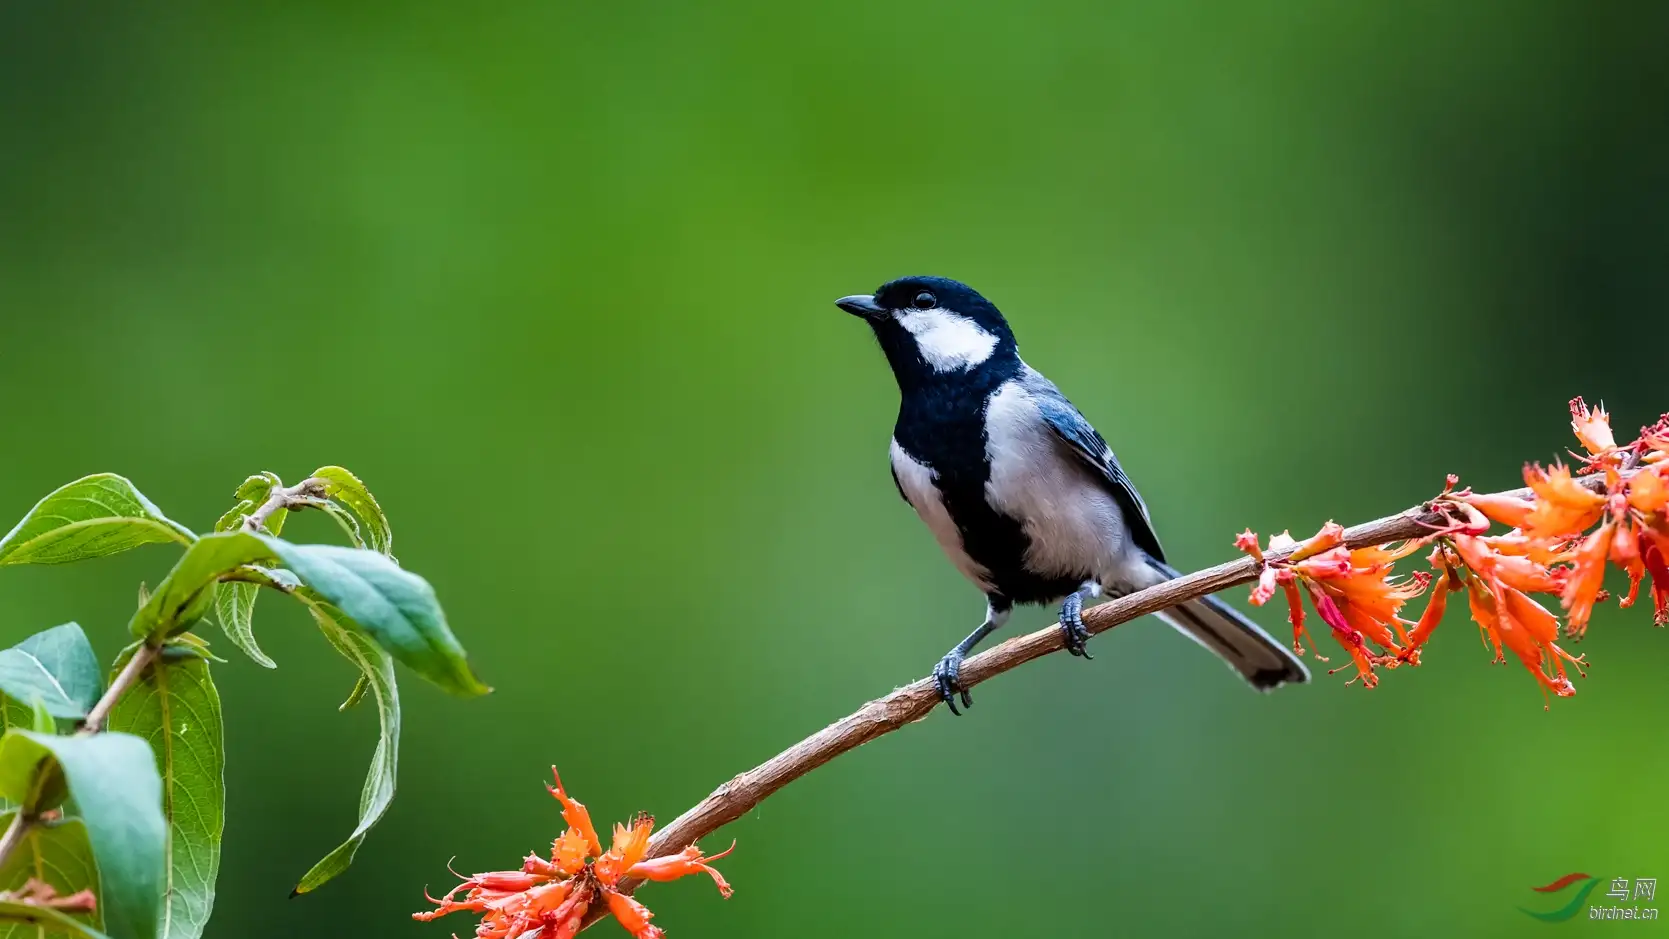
926	301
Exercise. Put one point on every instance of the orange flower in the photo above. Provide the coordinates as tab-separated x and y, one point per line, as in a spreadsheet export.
627	850
633	916
1448	581
569	851
690	861
576	815
1330	536
1518	544
1295	615
1500	507
1563	508
1639	508
1625	553
1654	549
1593	428
1562	538
1654	442
1482	604
550	899
1529	630
1346	635
1279	575
1587	577
1351	589
1360	583
1648	493
1510	569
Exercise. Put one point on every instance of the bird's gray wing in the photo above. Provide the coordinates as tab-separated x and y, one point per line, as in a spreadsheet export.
1086	444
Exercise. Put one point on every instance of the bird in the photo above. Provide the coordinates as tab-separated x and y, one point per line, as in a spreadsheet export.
1021	492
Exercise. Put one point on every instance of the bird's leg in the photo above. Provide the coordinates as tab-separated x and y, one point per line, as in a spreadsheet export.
948	672
1072	619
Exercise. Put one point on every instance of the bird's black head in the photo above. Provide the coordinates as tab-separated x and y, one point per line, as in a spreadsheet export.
934	327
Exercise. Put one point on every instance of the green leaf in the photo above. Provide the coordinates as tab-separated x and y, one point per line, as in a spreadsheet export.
347	489
343	518
65	652
256	488
234	606
57	667
361	686
176	709
59	855
118	793
89	518
14	713
184	595
377	670
397	608
233	519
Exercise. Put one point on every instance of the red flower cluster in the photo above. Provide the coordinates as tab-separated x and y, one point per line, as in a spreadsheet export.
1549	549
1352	591
548	899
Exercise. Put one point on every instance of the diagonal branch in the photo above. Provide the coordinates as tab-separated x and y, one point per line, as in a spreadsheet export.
916	700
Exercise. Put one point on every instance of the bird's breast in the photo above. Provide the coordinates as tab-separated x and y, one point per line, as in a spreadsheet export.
919	483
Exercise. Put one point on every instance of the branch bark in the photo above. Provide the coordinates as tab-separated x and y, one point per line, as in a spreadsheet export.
916	700
284	497
129	675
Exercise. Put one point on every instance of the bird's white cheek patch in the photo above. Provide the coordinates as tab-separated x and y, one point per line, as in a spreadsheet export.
948	341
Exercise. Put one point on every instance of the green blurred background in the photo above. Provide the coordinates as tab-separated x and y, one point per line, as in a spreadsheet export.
555	279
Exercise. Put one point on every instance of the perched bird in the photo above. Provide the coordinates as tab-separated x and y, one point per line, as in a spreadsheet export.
1019	490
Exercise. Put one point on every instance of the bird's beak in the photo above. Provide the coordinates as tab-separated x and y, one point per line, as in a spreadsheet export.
860	305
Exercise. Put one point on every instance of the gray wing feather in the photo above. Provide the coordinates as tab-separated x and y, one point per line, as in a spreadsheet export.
1086	444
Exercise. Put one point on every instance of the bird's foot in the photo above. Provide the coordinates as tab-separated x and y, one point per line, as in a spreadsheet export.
1073	631
947	675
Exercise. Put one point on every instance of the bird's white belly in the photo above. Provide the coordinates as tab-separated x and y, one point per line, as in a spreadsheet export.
1074	525
916	479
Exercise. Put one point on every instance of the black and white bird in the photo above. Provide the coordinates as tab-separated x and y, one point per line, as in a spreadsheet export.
1019	490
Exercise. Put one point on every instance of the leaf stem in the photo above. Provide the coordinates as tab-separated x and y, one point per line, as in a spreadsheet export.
125	679
284	497
18	830
917	700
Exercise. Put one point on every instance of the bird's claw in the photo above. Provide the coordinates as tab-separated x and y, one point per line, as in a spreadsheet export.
1073	632
947	675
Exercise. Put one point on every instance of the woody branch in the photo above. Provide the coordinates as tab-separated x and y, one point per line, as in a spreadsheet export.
916	700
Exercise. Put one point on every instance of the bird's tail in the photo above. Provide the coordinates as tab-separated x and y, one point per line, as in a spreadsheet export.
1257	656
